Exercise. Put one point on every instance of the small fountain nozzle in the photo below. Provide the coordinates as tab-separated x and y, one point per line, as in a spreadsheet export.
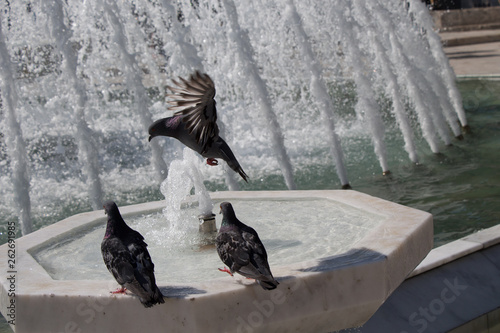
207	223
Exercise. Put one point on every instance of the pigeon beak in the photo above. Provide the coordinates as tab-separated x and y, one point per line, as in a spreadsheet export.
150	137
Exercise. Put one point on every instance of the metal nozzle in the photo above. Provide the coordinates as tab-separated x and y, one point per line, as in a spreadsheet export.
207	223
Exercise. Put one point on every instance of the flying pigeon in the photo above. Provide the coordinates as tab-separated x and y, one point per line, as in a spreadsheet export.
240	248
195	124
127	258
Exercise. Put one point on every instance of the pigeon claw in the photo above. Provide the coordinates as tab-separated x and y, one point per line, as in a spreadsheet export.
225	269
212	161
121	290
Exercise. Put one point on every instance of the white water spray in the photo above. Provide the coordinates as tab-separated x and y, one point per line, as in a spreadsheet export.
424	19
366	109
122	55
406	76
134	81
182	177
392	88
245	50
420	78
319	90
15	142
84	135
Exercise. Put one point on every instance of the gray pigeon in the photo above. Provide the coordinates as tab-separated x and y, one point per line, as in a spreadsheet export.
195	125
127	258
240	248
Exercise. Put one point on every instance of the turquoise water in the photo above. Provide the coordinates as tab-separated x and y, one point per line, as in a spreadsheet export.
459	186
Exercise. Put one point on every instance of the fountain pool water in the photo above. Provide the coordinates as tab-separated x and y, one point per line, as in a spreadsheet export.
292	231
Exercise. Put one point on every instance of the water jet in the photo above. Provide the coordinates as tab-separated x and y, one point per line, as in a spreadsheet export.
99	71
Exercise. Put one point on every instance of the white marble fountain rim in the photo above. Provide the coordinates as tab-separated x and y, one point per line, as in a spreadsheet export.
325	294
399	222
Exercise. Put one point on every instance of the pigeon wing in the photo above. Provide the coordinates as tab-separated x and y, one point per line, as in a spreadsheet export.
258	265
258	253
232	251
118	261
143	265
194	100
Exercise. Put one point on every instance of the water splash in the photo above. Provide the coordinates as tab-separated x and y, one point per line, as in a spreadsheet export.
425	83
407	75
84	135
134	82
424	19
245	51
392	88
318	89
15	142
176	188
365	108
117	58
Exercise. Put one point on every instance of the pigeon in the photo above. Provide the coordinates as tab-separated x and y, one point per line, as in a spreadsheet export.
127	258
195	124
240	248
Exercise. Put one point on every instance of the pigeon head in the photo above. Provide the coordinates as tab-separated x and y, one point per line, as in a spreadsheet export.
164	127
115	224
111	209
228	215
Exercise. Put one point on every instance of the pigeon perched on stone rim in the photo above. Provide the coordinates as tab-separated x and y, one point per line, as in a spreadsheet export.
195	125
126	256
240	248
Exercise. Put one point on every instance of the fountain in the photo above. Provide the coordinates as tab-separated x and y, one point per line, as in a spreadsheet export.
301	87
339	278
90	77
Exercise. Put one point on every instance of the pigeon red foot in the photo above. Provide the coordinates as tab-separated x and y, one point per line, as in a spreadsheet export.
225	269
212	161
121	290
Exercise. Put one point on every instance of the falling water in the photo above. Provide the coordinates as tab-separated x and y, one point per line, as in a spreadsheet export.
84	135
392	88
184	53
431	100
424	19
15	142
365	107
89	77
134	80
318	88
407	75
245	50
185	57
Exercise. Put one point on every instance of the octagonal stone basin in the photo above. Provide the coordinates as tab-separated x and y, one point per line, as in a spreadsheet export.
333	291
